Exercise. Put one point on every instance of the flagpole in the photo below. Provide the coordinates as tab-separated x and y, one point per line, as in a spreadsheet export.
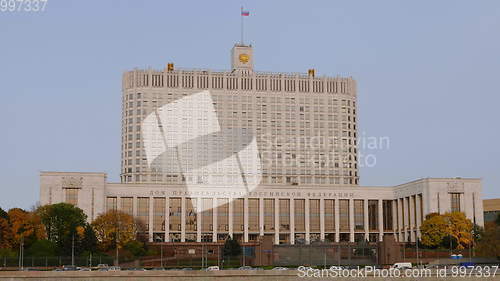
241	16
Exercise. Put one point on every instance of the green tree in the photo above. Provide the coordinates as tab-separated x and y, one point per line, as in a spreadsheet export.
231	248
136	248
42	248
63	223
433	230
89	240
3	214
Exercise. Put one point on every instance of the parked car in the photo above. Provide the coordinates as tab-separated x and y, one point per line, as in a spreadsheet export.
136	269
69	268
245	268
280	268
334	267
401	265
213	268
115	268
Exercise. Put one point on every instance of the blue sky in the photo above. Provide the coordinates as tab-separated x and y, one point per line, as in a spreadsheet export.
427	75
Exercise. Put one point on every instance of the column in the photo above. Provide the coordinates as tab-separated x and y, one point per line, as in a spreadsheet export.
351	220
245	219
380	220
394	217
261	216
322	219
183	219
337	222
411	217
214	219
118	203
365	216
230	218
400	219
307	219
292	221
150	219
276	221
405	224
418	218
167	219
478	206
463	206
198	219
134	206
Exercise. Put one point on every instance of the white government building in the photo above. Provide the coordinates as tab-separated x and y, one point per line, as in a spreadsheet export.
210	154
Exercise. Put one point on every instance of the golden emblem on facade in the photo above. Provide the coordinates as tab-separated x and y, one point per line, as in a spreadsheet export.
244	58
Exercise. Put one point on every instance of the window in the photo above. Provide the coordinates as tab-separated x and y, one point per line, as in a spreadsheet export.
284	215
329	215
359	215
191	215
455	202
72	196
373	214
239	214
344	215
387	215
127	205
268	214
314	224
207	216
175	214
159	214
222	215
143	211
299	206
253	215
111	204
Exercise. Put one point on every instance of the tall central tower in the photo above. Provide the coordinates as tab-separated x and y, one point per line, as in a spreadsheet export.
305	125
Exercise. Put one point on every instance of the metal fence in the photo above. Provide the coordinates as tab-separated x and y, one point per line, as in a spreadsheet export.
325	254
54	261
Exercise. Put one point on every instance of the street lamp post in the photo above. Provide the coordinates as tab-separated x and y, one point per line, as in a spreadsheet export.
21	253
73	250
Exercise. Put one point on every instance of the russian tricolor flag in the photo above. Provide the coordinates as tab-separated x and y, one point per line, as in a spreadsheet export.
245	13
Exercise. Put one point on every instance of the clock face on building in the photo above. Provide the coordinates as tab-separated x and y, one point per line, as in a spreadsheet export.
244	58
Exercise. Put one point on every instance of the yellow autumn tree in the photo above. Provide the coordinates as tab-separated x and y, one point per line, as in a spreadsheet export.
433	229
114	228
5	234
25	226
460	228
455	224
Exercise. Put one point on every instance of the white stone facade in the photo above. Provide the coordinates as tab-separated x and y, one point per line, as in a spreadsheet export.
305	190
305	125
398	210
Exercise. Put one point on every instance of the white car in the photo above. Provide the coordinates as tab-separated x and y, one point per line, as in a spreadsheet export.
334	267
402	265
212	268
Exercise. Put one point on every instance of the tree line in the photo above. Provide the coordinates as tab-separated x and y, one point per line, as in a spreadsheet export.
62	230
